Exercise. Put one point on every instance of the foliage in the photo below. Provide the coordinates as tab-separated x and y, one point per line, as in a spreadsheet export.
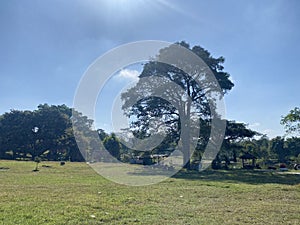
293	146
54	139
291	121
192	106
277	147
46	132
235	133
113	145
267	151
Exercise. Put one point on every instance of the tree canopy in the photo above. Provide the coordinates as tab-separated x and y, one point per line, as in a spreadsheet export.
45	132
179	111
291	121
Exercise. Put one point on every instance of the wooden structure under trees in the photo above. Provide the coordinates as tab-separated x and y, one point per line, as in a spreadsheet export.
248	160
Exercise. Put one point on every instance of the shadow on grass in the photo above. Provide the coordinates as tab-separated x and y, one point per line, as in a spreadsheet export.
241	176
230	176
4	168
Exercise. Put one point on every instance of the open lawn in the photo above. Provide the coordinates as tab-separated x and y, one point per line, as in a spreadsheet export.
75	194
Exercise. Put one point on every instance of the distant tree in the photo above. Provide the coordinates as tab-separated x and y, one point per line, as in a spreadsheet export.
102	134
113	145
262	148
16	133
235	133
277	147
54	139
79	149
291	121
177	119
52	121
293	146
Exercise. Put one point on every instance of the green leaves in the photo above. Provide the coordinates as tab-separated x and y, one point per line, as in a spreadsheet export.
177	92
291	121
46	132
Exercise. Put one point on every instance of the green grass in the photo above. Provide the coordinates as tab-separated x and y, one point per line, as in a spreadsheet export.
75	194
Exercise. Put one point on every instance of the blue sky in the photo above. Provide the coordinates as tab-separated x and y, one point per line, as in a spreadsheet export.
46	46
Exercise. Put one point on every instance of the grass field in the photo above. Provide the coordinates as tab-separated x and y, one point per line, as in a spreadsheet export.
75	194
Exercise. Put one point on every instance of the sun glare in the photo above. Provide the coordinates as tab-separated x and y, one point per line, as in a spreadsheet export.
133	7
124	6
122	3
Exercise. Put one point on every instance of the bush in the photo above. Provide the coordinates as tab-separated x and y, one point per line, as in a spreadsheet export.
216	164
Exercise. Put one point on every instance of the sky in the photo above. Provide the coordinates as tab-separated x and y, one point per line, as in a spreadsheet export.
46	47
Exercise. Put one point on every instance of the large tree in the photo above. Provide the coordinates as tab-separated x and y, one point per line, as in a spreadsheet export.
188	108
46	132
16	136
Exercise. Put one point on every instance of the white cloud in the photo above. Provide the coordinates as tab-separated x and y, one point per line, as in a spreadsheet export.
129	75
254	125
269	132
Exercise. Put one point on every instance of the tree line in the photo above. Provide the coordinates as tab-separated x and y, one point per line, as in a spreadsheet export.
47	132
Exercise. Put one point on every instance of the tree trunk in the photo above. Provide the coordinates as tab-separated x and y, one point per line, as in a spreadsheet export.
14	155
186	153
186	128
234	155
